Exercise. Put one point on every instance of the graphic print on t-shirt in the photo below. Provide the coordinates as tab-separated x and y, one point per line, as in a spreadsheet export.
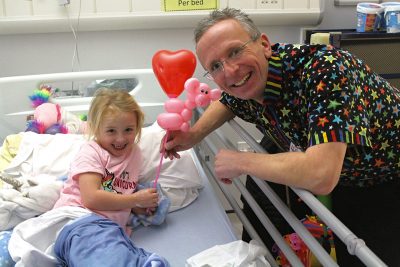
119	184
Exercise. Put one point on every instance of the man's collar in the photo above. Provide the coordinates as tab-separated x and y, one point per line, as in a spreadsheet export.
273	87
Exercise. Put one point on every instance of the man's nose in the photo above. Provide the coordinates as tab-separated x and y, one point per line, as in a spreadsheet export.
230	67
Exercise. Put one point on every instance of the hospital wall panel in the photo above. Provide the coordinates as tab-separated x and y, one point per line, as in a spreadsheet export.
107	6
15	8
54	9
248	4
149	5
294	4
1	9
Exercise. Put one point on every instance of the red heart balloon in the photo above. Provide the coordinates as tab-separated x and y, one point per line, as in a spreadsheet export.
172	69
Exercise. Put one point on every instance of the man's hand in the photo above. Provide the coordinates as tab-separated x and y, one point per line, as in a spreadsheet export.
228	165
177	141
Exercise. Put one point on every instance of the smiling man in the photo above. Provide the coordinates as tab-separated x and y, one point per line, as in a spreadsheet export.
325	111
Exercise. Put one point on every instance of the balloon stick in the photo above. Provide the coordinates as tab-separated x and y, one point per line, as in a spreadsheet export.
161	159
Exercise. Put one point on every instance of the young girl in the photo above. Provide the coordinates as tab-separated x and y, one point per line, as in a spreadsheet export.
105	172
92	212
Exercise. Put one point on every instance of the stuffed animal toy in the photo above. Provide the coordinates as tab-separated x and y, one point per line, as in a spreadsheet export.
50	118
47	116
47	119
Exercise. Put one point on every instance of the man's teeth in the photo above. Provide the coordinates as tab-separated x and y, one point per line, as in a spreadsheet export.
240	83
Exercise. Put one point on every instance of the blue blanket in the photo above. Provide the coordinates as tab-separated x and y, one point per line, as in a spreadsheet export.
97	241
159	215
5	258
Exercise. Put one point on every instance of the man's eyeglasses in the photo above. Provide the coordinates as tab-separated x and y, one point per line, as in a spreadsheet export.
217	68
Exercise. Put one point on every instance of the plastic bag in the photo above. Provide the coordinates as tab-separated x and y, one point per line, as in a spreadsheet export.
236	253
122	84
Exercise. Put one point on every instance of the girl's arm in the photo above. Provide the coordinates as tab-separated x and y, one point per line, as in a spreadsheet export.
93	197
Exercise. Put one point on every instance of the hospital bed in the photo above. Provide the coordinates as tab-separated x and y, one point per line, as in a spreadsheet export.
201	222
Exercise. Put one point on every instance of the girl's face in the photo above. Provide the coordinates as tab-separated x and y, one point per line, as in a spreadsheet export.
117	133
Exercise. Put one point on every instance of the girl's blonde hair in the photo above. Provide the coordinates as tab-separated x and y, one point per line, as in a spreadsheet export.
108	101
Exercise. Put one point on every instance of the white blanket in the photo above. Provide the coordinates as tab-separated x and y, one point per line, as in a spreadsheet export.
41	163
32	241
45	154
43	160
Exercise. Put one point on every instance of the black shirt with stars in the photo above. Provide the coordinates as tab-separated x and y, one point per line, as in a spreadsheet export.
317	94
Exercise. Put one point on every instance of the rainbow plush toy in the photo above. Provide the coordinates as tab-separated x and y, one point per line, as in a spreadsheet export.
41	95
47	116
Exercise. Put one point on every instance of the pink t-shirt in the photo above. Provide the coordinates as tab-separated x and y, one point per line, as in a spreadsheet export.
120	176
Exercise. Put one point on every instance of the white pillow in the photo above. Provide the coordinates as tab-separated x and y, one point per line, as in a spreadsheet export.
179	178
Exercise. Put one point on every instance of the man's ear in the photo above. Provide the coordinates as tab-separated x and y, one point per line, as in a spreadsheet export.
266	44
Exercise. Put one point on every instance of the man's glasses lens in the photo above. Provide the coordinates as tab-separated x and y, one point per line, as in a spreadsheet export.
218	66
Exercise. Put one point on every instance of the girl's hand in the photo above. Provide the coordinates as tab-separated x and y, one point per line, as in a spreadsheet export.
146	198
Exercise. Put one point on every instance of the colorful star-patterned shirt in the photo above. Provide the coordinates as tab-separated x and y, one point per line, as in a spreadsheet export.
317	94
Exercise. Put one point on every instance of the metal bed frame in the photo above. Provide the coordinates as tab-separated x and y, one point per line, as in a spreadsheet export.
356	246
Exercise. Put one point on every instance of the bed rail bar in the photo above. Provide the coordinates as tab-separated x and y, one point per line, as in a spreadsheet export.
235	206
355	245
72	76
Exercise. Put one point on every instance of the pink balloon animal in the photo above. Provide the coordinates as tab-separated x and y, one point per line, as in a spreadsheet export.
179	113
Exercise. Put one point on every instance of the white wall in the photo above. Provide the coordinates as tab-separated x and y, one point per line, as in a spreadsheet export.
43	53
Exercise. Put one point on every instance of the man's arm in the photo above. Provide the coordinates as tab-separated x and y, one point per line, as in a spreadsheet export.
317	169
213	118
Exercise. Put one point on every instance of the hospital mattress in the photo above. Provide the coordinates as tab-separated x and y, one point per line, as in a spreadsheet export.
190	230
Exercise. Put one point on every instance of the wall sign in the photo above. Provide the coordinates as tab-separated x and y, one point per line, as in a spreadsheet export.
186	5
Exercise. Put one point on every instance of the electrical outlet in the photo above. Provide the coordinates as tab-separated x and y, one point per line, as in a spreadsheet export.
269	4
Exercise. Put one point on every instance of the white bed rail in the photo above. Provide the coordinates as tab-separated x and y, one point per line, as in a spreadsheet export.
355	245
15	91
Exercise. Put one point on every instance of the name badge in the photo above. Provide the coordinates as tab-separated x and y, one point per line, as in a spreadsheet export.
294	148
